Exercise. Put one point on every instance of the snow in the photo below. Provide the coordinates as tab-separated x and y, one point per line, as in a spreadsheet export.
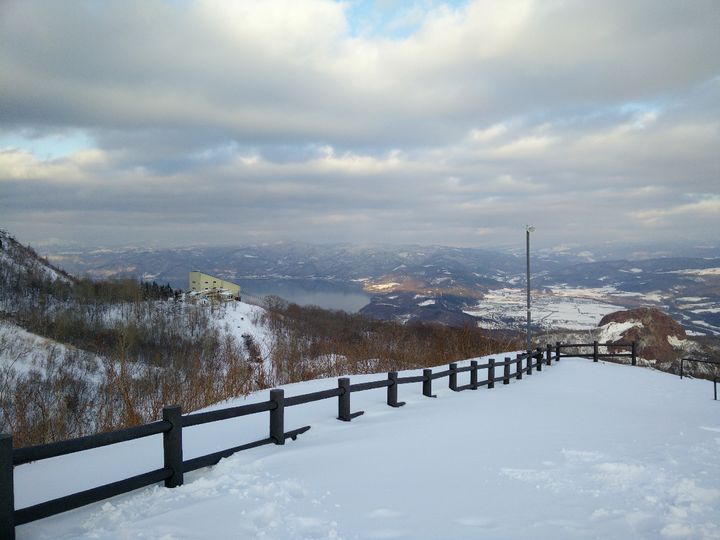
13	255
677	343
383	286
708	310
562	307
20	349
614	331
581	450
698	272
238	318
654	296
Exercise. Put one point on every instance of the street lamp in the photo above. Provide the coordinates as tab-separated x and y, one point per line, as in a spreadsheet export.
528	230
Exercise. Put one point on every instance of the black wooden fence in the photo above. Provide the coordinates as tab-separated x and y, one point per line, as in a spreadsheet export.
173	422
683	360
596	354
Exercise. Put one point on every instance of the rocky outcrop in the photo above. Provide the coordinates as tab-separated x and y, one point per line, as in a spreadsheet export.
662	342
654	331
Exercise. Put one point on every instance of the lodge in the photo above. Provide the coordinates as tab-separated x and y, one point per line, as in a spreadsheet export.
212	287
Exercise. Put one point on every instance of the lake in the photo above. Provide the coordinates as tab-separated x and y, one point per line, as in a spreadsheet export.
326	294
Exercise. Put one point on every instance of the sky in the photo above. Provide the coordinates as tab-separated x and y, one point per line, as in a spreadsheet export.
185	122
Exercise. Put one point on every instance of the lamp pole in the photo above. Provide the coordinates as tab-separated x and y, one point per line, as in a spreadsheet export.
528	230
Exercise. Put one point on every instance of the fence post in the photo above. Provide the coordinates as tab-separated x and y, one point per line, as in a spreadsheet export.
392	390
427	383
172	445
539	355
277	416
344	400
518	366
634	353
557	351
529	362
595	351
506	371
7	489
548	354
491	373
453	377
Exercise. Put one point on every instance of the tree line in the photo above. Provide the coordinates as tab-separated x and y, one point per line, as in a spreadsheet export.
309	342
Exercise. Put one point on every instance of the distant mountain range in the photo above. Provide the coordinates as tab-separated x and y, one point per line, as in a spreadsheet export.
439	283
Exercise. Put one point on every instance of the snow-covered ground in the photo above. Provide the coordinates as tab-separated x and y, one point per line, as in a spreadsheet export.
560	307
239	318
582	308
581	450
22	351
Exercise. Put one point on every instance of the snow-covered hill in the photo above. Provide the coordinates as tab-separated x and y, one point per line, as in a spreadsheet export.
581	450
16	258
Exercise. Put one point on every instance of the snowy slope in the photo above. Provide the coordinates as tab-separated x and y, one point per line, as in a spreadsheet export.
23	259
239	318
581	450
22	351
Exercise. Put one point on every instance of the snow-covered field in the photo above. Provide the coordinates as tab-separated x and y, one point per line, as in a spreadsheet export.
575	309
582	308
581	450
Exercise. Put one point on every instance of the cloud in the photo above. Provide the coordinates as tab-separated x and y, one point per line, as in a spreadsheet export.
290	119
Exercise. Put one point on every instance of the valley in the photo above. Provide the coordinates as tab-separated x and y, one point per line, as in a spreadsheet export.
571	287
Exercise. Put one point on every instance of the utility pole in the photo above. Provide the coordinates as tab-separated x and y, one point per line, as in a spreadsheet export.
528	230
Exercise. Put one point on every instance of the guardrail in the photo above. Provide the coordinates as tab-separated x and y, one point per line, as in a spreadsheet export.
173	422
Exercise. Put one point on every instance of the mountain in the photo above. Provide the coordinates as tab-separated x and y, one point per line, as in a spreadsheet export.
291	260
696	276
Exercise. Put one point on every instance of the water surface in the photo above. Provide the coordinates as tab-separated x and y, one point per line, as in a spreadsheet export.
326	294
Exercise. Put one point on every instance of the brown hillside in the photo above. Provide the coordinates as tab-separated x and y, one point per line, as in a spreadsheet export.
652	334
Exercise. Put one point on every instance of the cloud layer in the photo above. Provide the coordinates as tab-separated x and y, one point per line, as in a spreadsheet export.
220	121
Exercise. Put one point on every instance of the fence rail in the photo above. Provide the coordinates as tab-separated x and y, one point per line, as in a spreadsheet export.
596	354
173	422
683	360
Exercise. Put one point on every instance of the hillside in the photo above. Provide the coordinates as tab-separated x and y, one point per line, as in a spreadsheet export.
79	356
16	260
